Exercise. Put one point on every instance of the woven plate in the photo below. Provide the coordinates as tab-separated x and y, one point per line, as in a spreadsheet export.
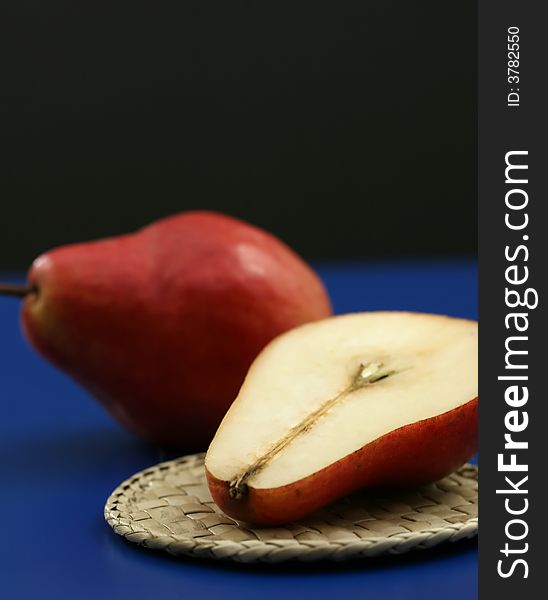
169	507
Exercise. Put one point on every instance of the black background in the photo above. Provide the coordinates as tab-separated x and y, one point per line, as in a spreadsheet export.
348	128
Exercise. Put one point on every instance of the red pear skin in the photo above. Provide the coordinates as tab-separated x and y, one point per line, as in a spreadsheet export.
416	454
163	324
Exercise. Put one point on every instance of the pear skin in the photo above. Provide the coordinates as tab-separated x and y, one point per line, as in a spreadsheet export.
162	325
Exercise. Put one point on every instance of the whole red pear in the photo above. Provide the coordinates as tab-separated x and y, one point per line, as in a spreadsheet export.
162	325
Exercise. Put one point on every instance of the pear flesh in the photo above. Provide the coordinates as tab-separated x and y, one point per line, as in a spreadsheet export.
327	391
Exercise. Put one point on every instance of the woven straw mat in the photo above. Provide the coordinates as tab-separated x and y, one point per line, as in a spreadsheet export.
169	507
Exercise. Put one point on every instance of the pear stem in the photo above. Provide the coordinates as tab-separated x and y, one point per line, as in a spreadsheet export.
13	289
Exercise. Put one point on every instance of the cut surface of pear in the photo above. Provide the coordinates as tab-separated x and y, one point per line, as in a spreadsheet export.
325	391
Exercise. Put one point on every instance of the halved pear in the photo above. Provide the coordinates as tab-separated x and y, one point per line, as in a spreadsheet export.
360	400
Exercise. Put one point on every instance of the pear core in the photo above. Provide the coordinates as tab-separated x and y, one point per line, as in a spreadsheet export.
366	375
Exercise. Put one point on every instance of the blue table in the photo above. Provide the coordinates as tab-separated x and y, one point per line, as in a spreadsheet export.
61	455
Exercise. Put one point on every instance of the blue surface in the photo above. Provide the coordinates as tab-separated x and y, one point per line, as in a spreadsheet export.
61	456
